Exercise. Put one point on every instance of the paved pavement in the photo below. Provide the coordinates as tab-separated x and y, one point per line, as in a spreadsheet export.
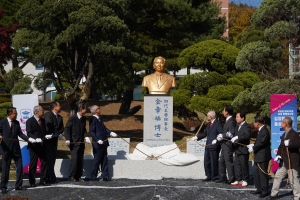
128	189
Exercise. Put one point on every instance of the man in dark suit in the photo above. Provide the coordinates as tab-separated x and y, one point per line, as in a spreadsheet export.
242	136
10	148
36	129
226	158
262	156
54	130
75	134
99	134
289	160
213	128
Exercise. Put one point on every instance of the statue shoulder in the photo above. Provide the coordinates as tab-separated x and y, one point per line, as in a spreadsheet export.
168	75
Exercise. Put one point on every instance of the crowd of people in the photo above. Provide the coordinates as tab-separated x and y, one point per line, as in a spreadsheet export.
234	138
43	133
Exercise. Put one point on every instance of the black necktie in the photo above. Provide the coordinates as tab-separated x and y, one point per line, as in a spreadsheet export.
79	121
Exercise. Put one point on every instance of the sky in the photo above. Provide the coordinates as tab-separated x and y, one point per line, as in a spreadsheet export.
254	3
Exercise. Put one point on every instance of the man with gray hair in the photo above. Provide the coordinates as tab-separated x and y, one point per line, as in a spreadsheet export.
288	156
99	134
36	129
213	128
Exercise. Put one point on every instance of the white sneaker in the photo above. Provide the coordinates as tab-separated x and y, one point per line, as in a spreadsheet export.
235	183
244	184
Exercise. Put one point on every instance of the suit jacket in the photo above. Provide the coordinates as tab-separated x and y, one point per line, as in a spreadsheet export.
34	130
229	126
167	81
53	125
75	130
11	145
243	138
98	131
211	134
262	146
293	148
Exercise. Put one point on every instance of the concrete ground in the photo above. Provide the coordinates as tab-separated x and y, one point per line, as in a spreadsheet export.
126	189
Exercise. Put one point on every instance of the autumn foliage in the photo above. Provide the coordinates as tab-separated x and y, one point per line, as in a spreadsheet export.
239	16
5	41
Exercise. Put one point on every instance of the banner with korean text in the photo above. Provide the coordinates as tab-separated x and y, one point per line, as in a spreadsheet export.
24	104
281	106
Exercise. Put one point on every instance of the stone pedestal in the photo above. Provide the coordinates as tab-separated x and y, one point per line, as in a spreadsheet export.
158	120
193	148
118	148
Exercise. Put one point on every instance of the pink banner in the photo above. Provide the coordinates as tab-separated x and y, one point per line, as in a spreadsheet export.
277	101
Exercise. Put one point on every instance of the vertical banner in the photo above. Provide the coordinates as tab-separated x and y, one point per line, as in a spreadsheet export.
281	106
24	104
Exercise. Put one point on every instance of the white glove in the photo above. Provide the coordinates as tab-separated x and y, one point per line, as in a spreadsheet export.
60	137
234	139
48	137
277	158
113	134
31	140
214	142
250	145
38	140
250	149
195	138
286	142
228	134
87	140
100	142
220	137
68	142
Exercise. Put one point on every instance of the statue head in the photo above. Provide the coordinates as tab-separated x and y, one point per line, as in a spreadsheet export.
159	64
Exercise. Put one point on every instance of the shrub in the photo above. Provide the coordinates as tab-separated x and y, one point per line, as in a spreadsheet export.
3	108
4	99
6	105
58	97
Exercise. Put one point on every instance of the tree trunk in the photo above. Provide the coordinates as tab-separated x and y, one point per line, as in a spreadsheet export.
126	102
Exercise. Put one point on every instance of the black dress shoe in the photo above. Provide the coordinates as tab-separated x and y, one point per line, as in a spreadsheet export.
107	179
20	188
33	185
72	179
207	179
80	180
263	195
255	192
44	183
53	182
229	182
3	190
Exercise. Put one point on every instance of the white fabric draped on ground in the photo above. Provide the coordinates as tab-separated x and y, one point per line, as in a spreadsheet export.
174	157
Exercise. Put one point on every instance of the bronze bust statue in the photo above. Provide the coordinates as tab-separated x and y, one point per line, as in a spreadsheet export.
159	82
